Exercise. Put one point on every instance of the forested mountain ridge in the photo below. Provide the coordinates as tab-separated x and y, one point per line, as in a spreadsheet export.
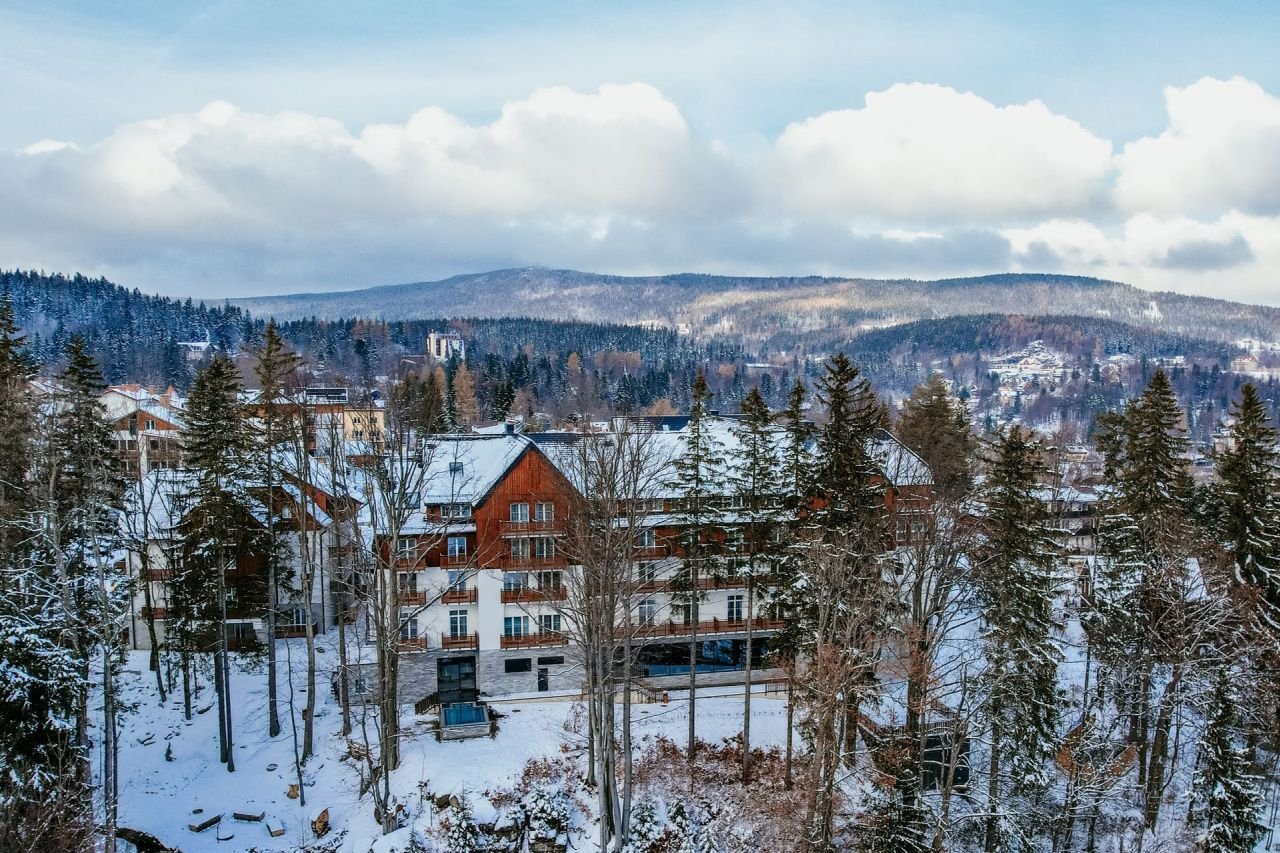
774	312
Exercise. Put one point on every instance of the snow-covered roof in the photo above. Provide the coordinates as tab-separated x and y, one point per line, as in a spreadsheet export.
465	468
899	464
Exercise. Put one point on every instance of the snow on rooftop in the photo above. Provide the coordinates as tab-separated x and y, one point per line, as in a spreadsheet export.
464	468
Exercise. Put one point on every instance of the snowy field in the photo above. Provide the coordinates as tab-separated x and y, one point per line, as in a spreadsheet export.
159	796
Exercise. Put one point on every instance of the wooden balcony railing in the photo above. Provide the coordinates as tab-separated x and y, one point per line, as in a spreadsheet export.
529	595
706	626
159	613
460	641
412	597
412	644
156	574
511	528
555	561
287	632
459	596
725	582
453	560
530	641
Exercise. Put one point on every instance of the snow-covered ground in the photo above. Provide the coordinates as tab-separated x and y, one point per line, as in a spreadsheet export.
159	796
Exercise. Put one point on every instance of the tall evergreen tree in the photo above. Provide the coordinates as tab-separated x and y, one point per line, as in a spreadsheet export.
279	417
699	482
1227	802
217	528
755	477
1016	585
936	427
1249	489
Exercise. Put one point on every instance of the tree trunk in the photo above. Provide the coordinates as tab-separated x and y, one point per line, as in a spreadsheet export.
746	694
991	842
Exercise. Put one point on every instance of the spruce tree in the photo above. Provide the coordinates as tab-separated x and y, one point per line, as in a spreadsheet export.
1016	584
463	836
699	482
16	420
216	528
278	418
1249	490
756	480
1227	801
936	427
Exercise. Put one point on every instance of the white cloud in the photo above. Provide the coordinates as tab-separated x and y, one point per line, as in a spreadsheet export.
931	153
921	181
1221	150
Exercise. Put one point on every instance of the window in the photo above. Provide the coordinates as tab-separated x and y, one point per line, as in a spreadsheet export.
455	510
733	539
407	582
457	581
551	660
549	623
149	425
735	607
648	538
455	468
544	548
361	685
457	623
647	571
685	611
520	549
405	547
515	581
648	611
551	581
544	511
518	665
515	626
408	630
519	512
457	547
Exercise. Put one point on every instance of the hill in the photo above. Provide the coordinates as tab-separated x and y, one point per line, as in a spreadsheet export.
811	313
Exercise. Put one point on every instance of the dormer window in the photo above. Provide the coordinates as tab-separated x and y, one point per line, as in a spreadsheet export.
455	468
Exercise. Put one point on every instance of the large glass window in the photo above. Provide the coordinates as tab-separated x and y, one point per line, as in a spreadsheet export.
647	539
519	512
544	511
549	623
406	546
520	548
409	630
736	607
515	626
515	581
648	611
457	623
456	547
544	548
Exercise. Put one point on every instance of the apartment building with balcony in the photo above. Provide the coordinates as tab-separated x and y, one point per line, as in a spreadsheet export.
483	570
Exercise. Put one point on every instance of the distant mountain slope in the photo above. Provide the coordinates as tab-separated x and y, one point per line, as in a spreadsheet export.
783	313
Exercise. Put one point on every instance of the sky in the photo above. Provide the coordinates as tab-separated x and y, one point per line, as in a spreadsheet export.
232	148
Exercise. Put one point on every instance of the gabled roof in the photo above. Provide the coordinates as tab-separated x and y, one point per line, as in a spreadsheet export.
899	464
464	468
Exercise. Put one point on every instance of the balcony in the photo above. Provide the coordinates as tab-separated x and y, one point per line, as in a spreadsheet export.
530	595
454	560
459	596
412	597
460	641
156	574
288	632
157	613
706	626
411	644
533	641
515	528
533	563
670	585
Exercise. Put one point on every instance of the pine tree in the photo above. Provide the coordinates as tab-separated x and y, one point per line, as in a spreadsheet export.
16	417
1015	587
217	529
276	367
464	836
1227	801
755	478
699	481
1250	494
937	429
646	827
